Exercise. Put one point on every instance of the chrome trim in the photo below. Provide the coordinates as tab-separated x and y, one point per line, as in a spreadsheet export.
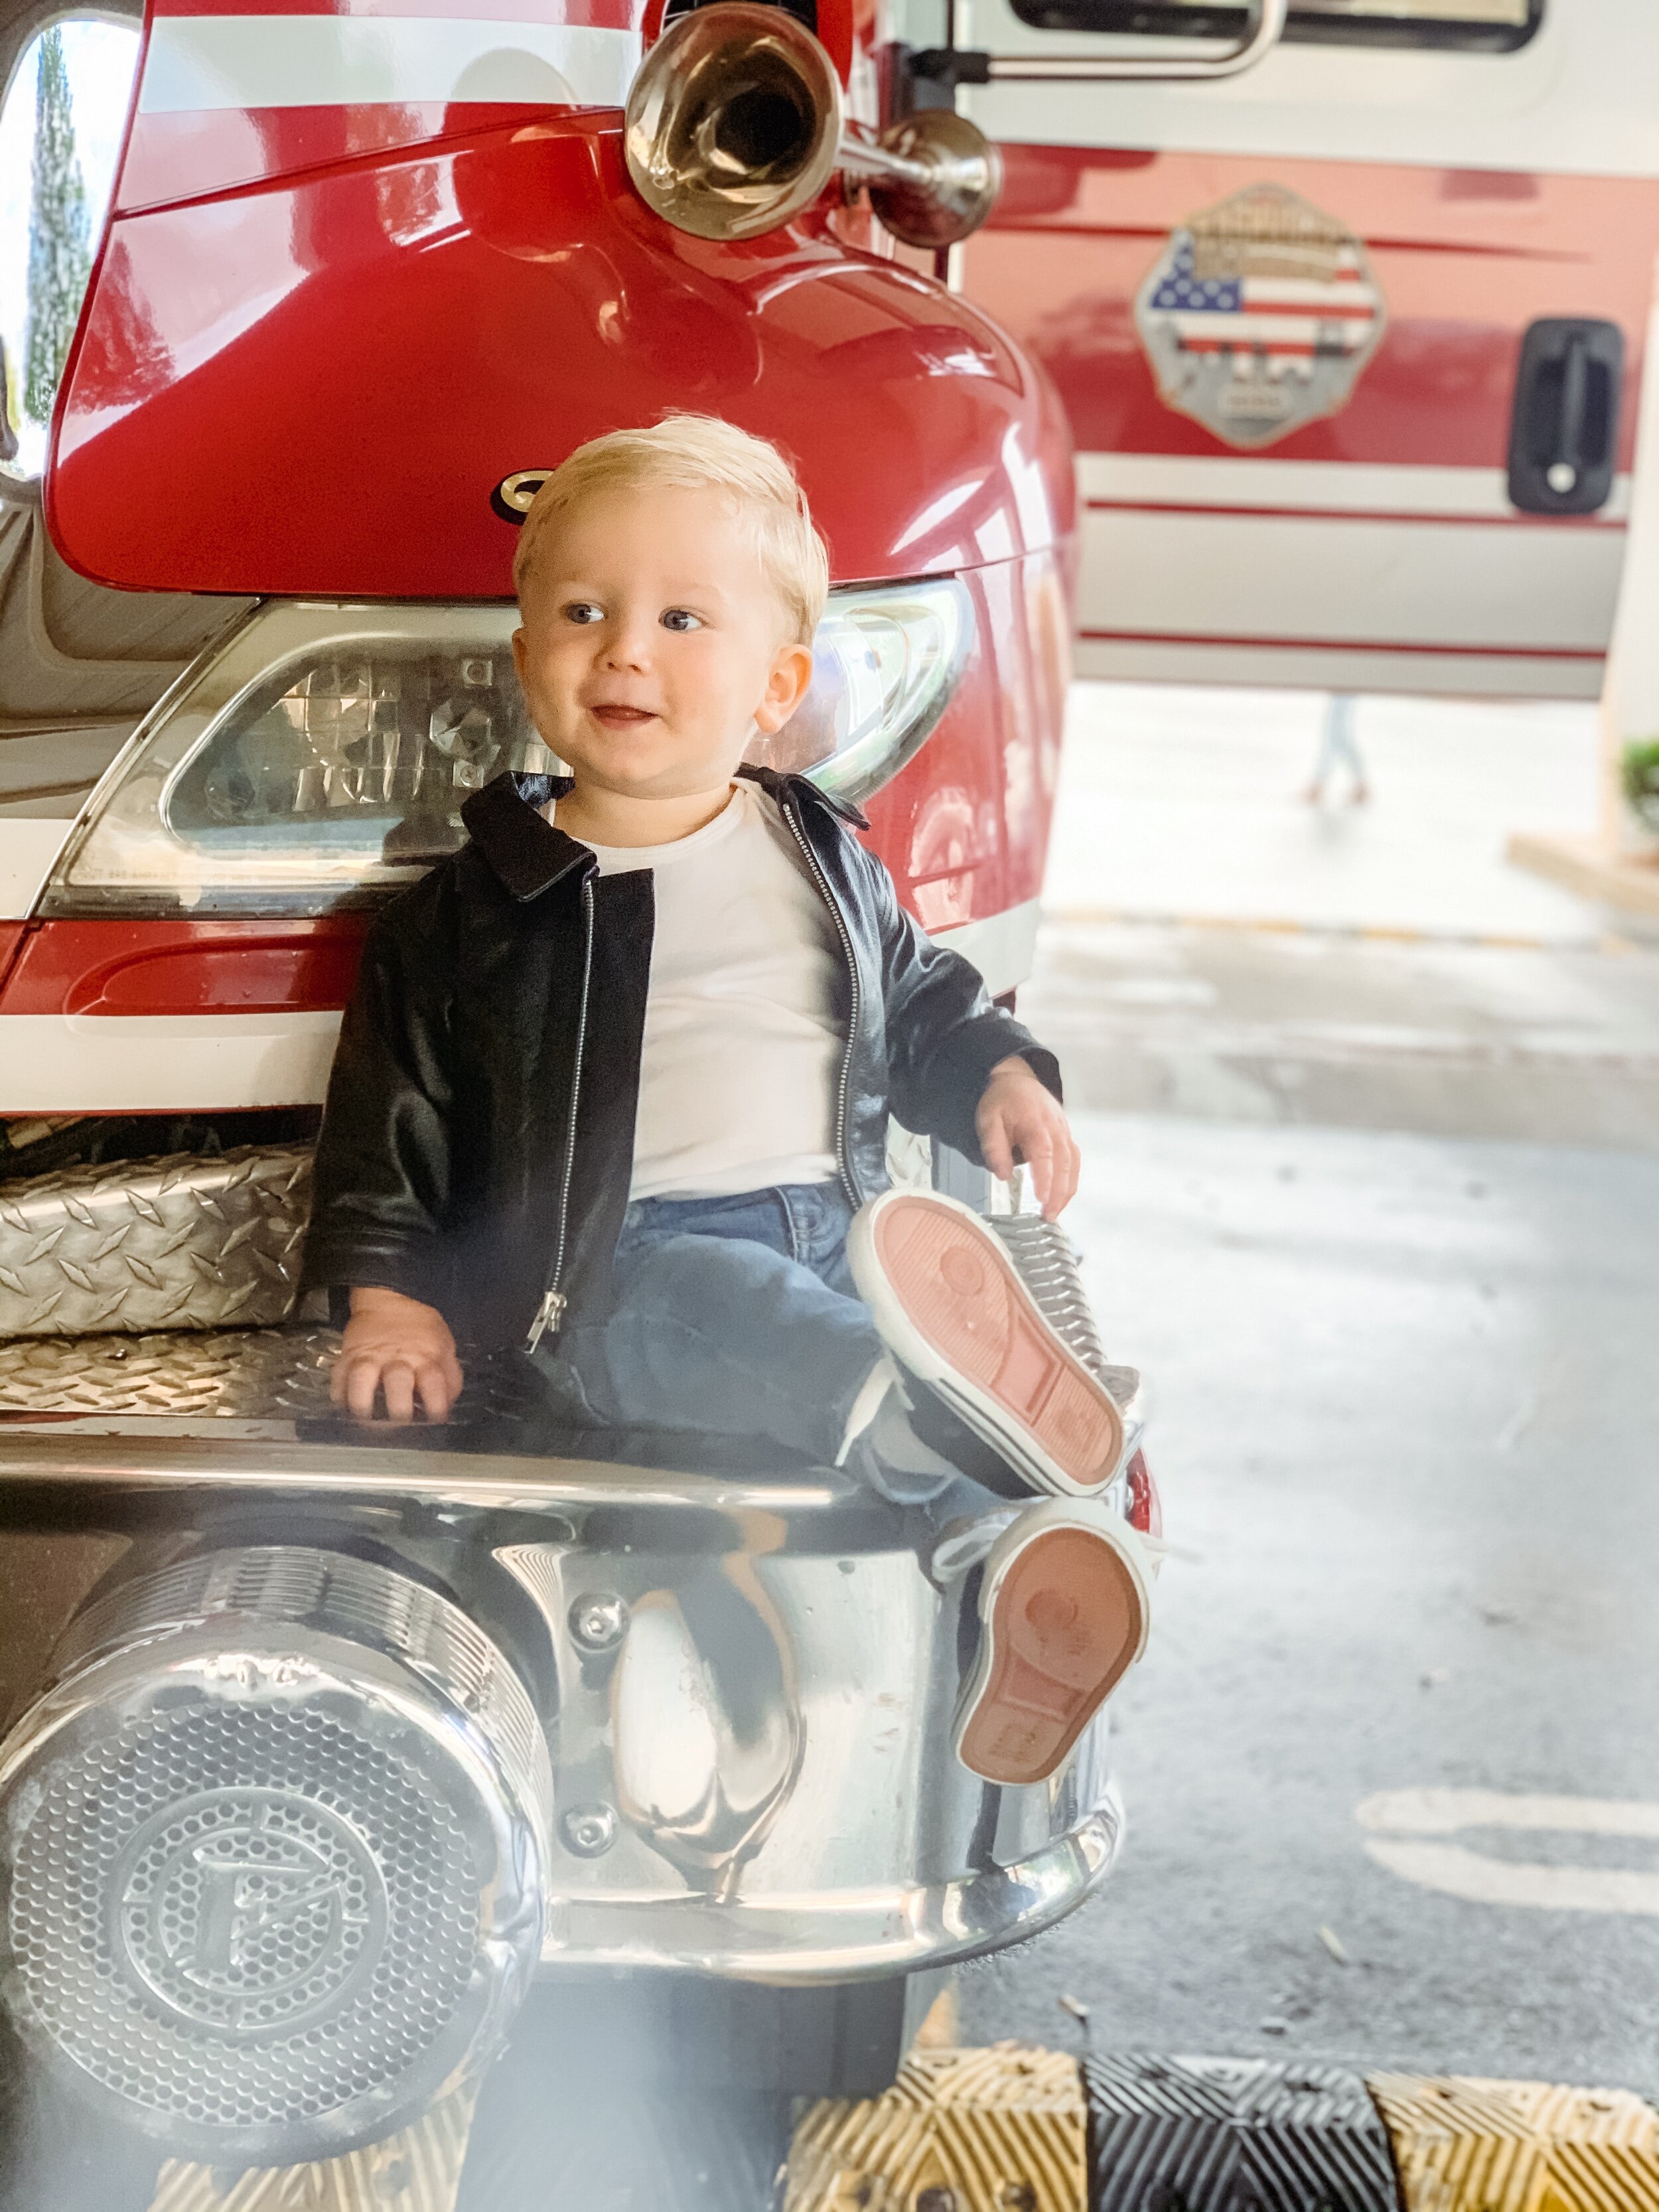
1264	34
867	1935
762	1761
747	1698
134	1453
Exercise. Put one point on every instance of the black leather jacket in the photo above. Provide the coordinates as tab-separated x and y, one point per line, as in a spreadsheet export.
476	1146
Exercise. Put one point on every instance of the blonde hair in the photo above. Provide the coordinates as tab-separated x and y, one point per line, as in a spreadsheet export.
698	452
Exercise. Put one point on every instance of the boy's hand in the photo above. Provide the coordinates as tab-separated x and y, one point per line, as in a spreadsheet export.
1019	1117
397	1344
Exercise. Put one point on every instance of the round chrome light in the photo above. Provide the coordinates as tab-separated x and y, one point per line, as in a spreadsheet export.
275	1845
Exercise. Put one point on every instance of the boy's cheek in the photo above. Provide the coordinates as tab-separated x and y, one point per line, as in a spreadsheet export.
547	694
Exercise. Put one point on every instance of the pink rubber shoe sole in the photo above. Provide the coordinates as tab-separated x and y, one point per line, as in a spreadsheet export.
952	1308
1064	1609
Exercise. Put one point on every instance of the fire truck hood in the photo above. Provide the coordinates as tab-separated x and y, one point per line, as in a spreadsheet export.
316	383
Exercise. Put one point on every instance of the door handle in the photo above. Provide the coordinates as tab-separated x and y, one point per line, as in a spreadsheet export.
1563	431
1562	475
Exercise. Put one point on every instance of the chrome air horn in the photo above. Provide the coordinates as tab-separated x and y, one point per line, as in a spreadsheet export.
735	124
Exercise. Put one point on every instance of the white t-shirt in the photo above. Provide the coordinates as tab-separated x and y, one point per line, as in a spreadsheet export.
742	1046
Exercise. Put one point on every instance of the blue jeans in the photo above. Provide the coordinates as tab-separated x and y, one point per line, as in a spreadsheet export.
738	1317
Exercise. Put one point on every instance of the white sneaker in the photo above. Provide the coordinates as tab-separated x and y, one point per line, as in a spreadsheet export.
1065	1610
952	1308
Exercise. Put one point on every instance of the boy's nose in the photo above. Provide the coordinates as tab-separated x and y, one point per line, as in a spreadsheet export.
628	646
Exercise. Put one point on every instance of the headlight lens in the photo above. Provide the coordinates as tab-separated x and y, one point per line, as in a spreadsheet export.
319	756
886	662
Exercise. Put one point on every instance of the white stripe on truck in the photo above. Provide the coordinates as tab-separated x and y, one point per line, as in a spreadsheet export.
188	1063
29	847
1250	480
199	63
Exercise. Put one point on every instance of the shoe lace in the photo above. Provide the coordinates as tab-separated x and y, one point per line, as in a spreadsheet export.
1047	1262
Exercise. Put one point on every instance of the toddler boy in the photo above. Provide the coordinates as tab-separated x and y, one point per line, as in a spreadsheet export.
615	1080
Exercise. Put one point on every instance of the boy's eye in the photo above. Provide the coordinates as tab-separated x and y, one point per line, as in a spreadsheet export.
680	618
583	610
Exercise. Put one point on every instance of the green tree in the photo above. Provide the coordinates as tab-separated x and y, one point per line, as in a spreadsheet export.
60	259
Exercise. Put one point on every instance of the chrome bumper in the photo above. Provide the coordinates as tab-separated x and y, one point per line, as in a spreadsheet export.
746	1684
756	1778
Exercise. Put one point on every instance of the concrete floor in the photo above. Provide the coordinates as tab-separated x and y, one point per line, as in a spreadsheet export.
1406	1404
1552	1044
1378	1218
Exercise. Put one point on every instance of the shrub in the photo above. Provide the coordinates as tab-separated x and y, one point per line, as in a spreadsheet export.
1640	777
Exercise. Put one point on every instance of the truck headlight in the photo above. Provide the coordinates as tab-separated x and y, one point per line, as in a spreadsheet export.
885	663
316	754
319	756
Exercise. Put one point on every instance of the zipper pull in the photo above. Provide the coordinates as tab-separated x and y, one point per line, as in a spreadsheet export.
549	1316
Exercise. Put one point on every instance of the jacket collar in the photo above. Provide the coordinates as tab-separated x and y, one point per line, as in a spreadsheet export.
530	855
778	785
526	851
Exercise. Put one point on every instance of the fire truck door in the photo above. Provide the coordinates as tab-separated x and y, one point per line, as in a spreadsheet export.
1349	340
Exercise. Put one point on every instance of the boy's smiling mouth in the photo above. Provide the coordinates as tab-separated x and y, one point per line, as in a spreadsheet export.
615	716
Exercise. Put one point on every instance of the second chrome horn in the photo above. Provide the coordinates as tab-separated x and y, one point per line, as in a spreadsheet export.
735	126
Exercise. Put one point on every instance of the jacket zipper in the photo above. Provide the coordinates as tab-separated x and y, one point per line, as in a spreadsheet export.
843	1165
550	1315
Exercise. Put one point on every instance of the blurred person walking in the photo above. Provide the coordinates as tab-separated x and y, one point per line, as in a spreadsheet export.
1339	748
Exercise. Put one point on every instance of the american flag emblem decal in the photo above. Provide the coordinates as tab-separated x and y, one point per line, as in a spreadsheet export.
1259	315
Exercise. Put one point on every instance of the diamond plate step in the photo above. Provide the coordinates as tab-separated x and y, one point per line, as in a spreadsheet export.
183	1242
249	1374
246	1374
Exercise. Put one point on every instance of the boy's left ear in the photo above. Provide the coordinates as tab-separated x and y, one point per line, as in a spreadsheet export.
787	684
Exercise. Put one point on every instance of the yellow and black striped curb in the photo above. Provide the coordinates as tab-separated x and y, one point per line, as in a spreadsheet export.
1463	2145
1004	2130
1015	2128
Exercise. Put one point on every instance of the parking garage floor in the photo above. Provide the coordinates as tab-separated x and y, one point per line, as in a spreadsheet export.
1377	1213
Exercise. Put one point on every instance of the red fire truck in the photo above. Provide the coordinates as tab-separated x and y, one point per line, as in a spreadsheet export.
1343	303
1349	339
351	298
324	1746
327	1746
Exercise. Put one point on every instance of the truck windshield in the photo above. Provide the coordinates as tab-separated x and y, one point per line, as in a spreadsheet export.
60	137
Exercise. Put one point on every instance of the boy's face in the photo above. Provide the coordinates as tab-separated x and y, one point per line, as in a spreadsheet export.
652	645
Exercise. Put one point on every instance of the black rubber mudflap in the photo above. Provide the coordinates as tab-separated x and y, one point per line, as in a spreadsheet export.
645	2092
1220	2135
55	2156
622	2148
